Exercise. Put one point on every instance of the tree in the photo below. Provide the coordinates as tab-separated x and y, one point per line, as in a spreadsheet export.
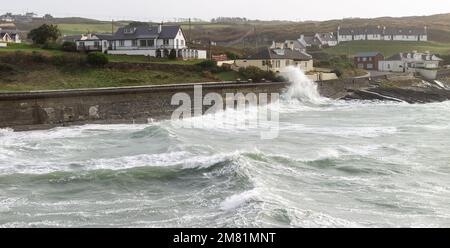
48	17
138	24
173	54
45	33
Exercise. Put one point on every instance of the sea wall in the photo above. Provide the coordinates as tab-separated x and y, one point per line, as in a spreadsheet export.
47	109
42	110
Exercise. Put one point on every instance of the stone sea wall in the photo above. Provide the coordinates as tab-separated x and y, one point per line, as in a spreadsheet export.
48	109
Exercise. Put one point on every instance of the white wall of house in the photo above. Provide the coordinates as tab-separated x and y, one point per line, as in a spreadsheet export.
277	65
391	66
343	38
359	37
374	37
406	37
332	43
151	53
92	44
3	44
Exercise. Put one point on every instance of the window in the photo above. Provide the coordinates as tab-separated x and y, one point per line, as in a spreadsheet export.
264	63
96	44
81	44
151	43
134	43
370	58
121	43
369	66
364	59
182	42
166	42
143	43
287	62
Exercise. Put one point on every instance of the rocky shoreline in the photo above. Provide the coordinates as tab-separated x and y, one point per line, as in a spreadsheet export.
411	91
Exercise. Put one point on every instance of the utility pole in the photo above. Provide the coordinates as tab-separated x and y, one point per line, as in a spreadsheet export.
210	50
190	30
256	37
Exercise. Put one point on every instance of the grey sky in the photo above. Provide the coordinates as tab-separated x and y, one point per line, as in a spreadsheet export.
157	10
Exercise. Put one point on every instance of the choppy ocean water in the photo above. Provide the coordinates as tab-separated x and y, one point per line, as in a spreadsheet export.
334	164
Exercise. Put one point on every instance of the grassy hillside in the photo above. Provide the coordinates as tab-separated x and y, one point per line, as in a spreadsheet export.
388	48
73	29
36	69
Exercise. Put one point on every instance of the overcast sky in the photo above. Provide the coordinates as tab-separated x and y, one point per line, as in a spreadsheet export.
156	10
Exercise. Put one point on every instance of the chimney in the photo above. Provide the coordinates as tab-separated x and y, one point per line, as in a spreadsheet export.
160	27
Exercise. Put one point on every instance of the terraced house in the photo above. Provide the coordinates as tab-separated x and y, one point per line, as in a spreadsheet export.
382	33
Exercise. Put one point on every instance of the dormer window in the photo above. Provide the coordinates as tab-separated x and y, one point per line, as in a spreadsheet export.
129	30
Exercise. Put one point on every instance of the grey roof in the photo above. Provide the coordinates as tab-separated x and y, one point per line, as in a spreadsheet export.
286	54
8	31
327	37
72	38
367	54
405	31
361	30
142	32
104	36
423	56
296	44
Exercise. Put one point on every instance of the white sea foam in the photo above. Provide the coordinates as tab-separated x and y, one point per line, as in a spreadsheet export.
302	88
238	200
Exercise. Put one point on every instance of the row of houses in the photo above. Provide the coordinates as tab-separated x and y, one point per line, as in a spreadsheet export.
382	33
10	17
415	62
331	39
154	41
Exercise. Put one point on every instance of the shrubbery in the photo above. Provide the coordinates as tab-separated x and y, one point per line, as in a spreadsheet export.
256	74
69	46
207	64
173	54
50	45
97	59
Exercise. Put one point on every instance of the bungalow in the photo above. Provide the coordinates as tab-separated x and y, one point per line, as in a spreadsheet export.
9	36
368	60
94	42
155	41
382	33
410	62
277	60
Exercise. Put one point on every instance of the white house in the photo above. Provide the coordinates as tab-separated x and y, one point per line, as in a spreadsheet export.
382	33
94	42
410	62
155	41
9	36
318	40
327	39
277	60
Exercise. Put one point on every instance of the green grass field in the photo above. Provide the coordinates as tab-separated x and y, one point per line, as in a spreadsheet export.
50	77
387	48
74	29
28	48
144	59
